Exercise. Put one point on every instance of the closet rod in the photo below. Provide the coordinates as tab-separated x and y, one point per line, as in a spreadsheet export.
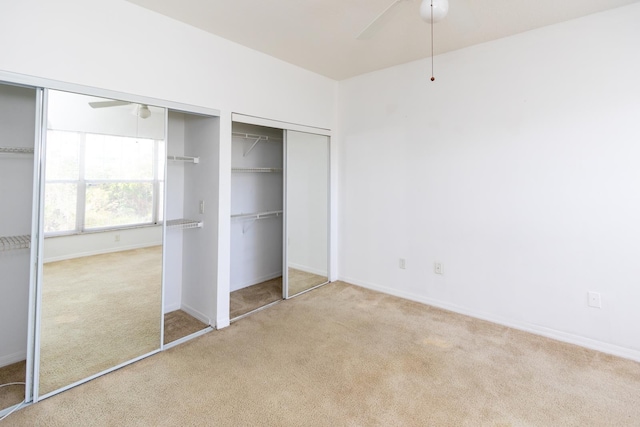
184	159
257	138
257	215
10	243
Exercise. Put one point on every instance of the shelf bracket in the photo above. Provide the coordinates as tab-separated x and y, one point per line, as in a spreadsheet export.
246	226
246	153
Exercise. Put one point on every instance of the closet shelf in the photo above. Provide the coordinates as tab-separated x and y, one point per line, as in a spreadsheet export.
183	224
256	138
16	150
185	159
257	215
259	170
11	243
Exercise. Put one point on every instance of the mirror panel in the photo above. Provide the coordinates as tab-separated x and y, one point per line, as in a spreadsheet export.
100	287
307	211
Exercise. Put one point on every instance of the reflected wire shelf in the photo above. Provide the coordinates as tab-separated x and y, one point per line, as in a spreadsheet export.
12	243
16	150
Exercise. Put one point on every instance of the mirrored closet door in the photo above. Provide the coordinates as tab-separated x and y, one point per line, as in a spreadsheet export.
307	211
100	283
18	116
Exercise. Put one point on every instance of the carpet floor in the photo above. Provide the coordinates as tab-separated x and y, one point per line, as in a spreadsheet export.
253	297
13	394
178	324
344	355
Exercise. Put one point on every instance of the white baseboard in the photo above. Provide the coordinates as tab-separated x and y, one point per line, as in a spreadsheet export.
307	269
172	307
195	313
9	359
255	281
581	341
100	252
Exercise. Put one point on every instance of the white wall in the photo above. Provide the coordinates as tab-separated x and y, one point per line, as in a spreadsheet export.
517	169
80	245
116	45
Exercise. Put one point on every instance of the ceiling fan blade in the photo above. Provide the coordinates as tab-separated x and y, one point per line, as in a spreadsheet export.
104	104
377	23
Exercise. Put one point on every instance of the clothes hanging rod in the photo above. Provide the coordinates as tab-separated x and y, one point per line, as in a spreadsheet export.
11	243
255	136
16	150
184	159
257	139
259	170
257	215
184	224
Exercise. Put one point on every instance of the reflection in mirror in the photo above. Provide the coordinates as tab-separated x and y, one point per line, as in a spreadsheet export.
17	136
101	278
307	211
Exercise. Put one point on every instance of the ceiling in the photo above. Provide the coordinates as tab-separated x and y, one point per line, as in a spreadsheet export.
320	35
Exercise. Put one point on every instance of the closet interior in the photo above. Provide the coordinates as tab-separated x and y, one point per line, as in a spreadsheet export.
280	213
191	237
17	138
256	218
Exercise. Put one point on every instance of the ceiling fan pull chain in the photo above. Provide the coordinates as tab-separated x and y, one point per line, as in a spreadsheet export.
432	77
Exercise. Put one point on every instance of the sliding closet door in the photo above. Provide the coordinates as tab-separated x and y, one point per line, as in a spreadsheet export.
306	211
100	281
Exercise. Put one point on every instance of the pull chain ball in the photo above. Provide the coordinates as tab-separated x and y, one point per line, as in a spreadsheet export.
433	78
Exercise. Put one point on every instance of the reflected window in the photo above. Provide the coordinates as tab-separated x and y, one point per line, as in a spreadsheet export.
101	181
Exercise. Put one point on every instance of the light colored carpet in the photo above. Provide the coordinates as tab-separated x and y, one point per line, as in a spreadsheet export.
253	297
13	394
300	281
346	356
97	312
178	324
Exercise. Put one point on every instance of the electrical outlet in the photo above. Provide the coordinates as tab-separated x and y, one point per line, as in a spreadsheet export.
116	238
594	300
438	268
201	206
402	263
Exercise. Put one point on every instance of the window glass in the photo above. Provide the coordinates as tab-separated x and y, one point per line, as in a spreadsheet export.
60	207
119	158
117	204
63	155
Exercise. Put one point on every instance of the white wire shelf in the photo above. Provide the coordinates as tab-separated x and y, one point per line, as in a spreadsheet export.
255	138
183	224
12	243
258	170
185	159
257	215
16	150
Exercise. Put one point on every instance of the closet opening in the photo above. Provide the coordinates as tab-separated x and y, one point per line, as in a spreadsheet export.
257	211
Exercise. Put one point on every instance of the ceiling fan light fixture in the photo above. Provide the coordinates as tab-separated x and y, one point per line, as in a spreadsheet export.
144	112
440	10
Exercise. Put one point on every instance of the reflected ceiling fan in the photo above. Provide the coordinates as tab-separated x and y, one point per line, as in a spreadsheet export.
431	11
140	110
